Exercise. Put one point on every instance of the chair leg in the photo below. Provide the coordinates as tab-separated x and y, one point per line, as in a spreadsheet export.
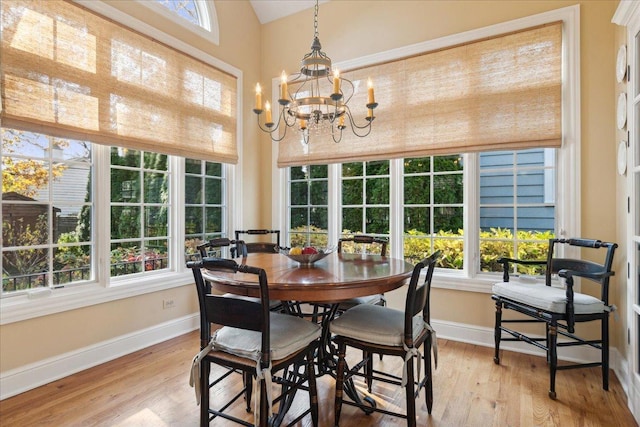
553	355
313	391
205	370
247	378
428	387
265	410
339	382
497	333
410	395
605	352
368	369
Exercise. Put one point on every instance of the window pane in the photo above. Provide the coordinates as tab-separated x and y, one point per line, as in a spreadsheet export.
352	192
192	189
417	189
352	220
213	191
447	163
447	189
380	167
417	219
193	220
125	223
319	171
377	221
155	187
417	165
352	169
192	166
318	192
378	191
125	185
299	193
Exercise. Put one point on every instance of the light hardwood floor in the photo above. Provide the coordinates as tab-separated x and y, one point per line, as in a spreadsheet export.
150	388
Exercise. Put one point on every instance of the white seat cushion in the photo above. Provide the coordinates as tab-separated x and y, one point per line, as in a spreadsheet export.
548	298
288	335
375	324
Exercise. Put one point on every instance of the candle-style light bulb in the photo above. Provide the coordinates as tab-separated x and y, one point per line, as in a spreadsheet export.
371	97
284	94
267	108
258	97
336	81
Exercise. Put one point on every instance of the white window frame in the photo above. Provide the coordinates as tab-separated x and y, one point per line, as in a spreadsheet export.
568	158
208	29
102	290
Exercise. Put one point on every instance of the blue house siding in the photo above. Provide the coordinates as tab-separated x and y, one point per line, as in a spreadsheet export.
498	186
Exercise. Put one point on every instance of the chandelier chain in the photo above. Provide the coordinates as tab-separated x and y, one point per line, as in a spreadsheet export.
315	21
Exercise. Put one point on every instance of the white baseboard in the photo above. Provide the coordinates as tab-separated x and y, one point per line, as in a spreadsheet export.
33	375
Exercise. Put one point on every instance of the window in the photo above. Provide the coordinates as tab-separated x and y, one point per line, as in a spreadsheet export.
186	9
139	211
205	203
308	214
365	198
515	215
517	208
46	211
50	203
433	208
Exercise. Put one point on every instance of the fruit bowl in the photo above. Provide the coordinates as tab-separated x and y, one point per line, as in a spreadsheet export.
306	259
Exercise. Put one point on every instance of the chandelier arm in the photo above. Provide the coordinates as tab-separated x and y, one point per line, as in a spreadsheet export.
333	134
355	126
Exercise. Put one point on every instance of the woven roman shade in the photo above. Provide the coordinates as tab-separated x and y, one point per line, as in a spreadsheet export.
501	93
68	72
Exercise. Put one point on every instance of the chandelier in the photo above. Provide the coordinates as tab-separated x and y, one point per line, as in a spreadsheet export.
307	109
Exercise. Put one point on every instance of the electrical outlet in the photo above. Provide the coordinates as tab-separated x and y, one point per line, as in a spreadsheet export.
168	303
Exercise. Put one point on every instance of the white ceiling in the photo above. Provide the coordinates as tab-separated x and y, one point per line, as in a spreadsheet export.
270	10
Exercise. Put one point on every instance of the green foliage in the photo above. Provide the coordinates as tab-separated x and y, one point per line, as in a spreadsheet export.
494	243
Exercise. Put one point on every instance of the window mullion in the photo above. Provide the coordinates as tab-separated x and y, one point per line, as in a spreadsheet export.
102	214
396	210
471	214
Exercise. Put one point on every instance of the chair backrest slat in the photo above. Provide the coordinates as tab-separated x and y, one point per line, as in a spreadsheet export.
260	247
364	241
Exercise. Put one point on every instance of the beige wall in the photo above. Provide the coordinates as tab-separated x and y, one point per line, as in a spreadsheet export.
350	29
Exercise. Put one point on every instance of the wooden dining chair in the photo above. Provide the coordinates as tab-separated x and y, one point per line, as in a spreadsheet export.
376	329
364	244
213	247
255	342
559	307
260	247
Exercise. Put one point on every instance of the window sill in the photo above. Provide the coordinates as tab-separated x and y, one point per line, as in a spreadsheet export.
19	308
481	283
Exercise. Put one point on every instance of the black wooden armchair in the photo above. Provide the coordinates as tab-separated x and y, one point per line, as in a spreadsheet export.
558	306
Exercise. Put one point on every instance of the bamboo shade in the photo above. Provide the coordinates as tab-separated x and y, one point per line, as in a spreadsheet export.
68	72
501	93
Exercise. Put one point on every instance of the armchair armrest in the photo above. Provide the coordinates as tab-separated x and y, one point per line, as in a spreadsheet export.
505	261
569	275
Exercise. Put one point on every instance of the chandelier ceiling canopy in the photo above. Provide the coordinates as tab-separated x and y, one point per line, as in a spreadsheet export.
314	100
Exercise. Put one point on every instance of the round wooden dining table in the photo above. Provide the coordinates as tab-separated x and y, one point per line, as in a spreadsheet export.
337	277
